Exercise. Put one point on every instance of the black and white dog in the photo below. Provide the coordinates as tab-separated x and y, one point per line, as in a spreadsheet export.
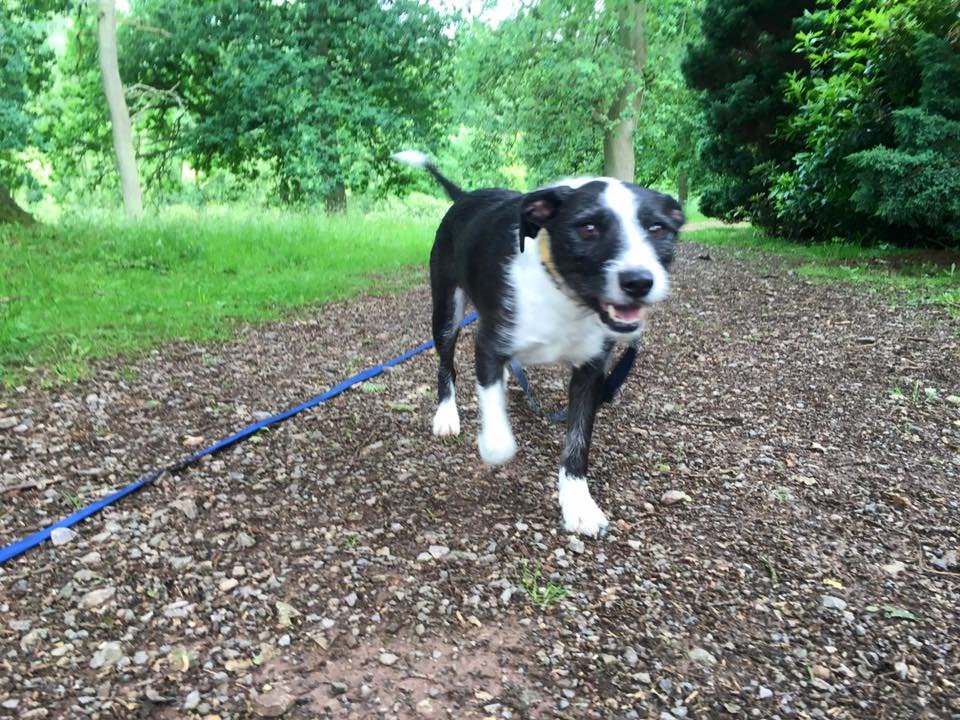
557	275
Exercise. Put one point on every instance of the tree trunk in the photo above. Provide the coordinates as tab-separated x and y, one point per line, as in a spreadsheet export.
10	212
336	199
682	190
119	116
618	157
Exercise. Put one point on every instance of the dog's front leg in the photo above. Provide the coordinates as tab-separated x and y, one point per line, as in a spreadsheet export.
496	442
580	513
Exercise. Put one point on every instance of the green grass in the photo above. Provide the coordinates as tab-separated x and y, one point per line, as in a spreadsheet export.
910	273
89	289
541	594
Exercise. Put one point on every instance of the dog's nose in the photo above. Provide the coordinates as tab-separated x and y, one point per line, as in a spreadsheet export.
636	283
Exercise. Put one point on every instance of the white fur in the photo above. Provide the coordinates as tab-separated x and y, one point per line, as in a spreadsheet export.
413	158
581	514
638	253
446	421
496	442
549	325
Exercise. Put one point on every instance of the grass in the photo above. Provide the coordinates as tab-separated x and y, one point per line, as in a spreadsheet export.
89	289
909	272
543	595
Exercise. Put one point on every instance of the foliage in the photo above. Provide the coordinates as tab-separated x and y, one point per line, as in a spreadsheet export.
864	66
539	89
916	183
23	33
97	286
312	96
738	64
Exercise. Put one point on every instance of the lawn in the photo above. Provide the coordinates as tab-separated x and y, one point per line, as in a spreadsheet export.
916	276
83	290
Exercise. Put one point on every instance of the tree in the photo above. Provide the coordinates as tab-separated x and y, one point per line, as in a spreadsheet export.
571	87
23	73
738	67
313	96
117	104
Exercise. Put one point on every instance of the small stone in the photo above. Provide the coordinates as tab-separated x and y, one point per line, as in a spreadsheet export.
704	657
61	535
672	497
273	704
630	657
140	658
6	423
764	693
424	557
351	599
178	609
327	623
952	399
91	558
339	688
187	506
97	598
576	545
228	584
438	551
893	569
820	671
192	700
10	704
106	655
832	602
244	540
388	659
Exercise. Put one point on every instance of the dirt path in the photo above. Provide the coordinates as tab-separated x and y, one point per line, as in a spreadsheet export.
347	565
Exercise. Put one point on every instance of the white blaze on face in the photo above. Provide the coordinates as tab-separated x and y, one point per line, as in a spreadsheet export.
638	253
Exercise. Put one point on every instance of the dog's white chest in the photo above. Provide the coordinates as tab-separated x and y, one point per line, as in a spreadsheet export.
548	326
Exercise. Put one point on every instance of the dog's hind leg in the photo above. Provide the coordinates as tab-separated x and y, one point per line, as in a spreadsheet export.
448	307
496	442
581	514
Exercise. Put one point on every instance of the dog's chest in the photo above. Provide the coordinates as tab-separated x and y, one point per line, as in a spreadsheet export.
546	325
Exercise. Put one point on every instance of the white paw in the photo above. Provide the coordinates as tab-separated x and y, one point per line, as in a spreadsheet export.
580	513
446	421
497	446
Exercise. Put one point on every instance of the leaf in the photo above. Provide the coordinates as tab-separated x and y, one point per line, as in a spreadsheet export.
806	480
834	583
402	407
372	387
286	611
898	614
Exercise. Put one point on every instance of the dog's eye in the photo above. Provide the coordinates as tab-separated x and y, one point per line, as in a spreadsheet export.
656	231
589	231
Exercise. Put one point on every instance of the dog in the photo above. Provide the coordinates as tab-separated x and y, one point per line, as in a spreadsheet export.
559	274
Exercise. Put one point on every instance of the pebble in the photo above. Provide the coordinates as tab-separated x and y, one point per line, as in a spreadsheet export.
704	657
438	551
7	423
764	693
351	599
672	497
832	602
192	700
273	704
62	535
630	657
97	598
228	584
388	659
107	654
893	569
576	545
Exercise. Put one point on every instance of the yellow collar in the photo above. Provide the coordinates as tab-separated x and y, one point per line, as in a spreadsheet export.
546	257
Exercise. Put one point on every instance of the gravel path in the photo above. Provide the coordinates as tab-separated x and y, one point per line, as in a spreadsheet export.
781	475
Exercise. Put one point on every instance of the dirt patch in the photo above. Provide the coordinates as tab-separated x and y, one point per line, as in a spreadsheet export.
812	573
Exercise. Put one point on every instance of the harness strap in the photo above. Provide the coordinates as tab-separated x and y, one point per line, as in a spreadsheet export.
611	385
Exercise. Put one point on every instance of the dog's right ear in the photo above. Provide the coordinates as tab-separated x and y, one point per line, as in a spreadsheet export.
538	208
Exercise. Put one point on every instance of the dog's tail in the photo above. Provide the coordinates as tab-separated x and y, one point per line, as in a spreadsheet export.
415	158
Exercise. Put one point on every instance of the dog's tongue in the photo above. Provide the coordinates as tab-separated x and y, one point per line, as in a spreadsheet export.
627	314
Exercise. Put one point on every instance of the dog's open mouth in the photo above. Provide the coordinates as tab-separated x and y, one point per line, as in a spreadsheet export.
624	318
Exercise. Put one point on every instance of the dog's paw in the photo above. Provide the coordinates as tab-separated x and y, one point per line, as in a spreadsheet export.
446	421
580	513
497	447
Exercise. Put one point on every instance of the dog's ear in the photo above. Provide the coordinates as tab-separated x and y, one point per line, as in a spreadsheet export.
538	208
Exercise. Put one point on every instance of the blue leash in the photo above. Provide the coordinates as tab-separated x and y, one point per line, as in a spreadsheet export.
21	546
611	384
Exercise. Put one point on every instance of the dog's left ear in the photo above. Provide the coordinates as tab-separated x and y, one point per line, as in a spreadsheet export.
538	208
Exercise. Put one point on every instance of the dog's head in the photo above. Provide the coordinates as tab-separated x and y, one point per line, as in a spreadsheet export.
610	241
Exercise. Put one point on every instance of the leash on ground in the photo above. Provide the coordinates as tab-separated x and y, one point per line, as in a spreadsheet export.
611	384
21	546
621	370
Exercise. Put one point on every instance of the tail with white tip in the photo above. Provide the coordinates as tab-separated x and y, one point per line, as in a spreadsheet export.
417	159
